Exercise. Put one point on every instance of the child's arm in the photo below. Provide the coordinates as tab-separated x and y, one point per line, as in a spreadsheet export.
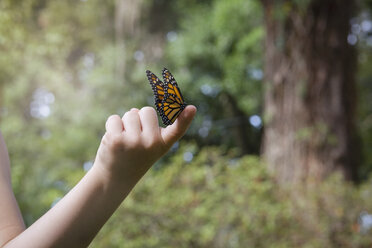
11	223
127	150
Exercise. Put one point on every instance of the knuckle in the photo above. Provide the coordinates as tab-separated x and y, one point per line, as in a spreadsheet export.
126	114
147	109
113	117
131	114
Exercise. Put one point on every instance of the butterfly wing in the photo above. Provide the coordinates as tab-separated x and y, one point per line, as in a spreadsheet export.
171	111
158	90
172	86
173	103
169	101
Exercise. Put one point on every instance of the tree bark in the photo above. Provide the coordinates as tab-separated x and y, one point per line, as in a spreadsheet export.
245	136
127	14
310	90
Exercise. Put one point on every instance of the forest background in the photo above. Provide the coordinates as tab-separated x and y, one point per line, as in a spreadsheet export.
266	162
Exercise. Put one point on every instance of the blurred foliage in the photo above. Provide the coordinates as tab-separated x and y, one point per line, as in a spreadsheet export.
219	201
58	84
218	57
361	28
48	71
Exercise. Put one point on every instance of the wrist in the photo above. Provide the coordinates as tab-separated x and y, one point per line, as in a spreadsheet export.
110	181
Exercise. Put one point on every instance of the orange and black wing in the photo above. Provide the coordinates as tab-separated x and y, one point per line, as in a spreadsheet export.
173	103
169	101
157	89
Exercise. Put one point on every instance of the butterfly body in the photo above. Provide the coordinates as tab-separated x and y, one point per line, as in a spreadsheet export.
169	101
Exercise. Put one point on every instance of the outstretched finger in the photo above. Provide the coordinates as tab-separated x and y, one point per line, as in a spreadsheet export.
172	133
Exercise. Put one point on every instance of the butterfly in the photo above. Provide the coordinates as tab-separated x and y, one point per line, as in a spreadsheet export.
169	101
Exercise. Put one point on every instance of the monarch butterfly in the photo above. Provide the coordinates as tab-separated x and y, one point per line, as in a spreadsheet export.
169	101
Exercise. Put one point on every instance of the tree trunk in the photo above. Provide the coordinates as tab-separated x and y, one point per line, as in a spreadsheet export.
245	136
127	13
310	90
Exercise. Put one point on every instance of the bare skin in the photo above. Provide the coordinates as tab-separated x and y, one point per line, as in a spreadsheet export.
128	149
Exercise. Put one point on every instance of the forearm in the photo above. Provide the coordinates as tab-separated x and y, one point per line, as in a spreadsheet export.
128	149
11	223
76	219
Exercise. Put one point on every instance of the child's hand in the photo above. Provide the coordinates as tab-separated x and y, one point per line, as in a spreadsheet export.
133	143
127	150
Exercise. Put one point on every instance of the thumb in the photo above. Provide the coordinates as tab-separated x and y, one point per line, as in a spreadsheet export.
172	133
